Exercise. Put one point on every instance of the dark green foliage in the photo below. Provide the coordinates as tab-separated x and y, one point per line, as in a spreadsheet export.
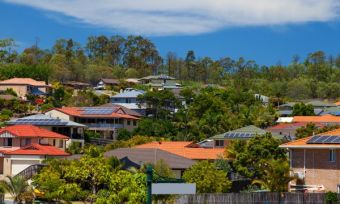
249	156
331	197
301	109
123	134
153	127
311	129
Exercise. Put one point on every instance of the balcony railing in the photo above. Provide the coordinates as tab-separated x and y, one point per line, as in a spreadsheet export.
104	125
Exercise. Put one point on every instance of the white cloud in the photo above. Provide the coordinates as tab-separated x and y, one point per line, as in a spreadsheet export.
187	17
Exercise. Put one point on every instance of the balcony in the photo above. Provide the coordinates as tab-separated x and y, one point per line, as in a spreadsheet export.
104	126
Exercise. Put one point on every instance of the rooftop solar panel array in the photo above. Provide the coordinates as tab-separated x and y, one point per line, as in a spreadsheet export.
98	111
324	140
42	122
238	135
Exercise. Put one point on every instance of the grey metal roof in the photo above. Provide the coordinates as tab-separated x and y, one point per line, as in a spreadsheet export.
151	155
43	120
244	133
129	94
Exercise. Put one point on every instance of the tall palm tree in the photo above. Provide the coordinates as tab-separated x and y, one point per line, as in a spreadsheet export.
18	187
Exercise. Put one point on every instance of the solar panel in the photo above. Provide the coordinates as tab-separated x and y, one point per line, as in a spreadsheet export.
56	122
312	140
324	140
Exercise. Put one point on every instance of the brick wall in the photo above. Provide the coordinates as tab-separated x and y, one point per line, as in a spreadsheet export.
318	169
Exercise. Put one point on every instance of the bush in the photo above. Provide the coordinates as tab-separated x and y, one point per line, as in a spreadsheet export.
74	148
46	107
331	197
90	134
123	134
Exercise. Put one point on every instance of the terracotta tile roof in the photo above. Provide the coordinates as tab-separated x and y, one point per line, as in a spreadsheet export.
317	119
79	112
37	149
24	81
31	131
186	149
337	103
302	143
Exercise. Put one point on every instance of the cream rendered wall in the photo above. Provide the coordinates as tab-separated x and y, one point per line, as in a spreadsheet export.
21	90
25	160
58	114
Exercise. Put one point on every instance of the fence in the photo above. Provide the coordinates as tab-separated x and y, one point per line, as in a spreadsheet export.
253	198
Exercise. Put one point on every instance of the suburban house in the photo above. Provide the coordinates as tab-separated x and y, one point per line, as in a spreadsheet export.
75	131
319	106
137	157
106	83
104	120
315	162
24	145
125	110
223	140
160	82
323	119
128	99
288	130
25	86
264	99
188	150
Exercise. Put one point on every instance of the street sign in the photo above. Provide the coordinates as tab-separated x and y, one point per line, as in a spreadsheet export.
173	188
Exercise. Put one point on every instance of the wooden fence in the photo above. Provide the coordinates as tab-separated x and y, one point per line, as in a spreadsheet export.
252	198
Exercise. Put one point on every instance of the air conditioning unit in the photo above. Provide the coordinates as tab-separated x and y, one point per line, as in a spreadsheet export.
299	175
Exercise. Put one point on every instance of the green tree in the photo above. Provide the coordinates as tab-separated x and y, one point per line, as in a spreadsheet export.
19	189
301	109
247	157
276	175
208	179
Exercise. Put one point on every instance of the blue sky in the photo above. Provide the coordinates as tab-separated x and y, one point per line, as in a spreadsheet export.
268	31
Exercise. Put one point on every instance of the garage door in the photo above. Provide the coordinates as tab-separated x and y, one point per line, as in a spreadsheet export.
19	165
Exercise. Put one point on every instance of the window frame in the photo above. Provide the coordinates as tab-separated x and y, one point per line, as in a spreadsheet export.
332	155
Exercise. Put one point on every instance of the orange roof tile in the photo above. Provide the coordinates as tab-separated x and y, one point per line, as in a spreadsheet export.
302	143
24	81
185	149
31	131
37	149
337	103
78	112
317	119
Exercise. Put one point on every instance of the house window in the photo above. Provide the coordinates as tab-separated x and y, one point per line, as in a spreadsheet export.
8	142
61	144
128	122
134	123
332	155
219	143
